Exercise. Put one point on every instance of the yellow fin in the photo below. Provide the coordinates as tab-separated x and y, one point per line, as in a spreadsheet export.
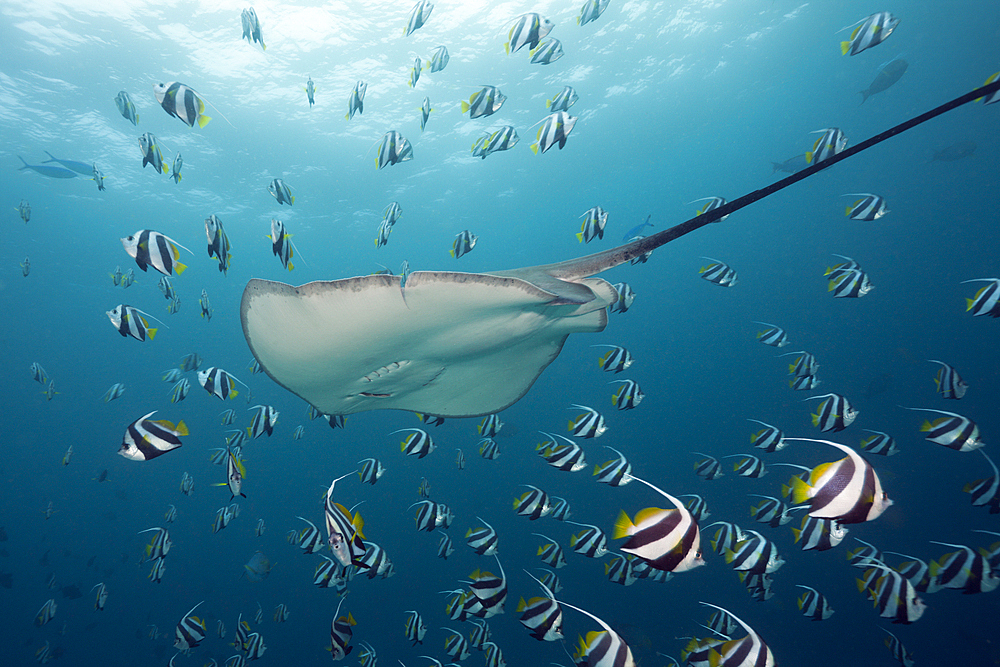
203	120
151	333
623	526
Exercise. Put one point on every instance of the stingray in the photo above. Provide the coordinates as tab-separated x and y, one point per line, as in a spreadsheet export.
454	344
46	170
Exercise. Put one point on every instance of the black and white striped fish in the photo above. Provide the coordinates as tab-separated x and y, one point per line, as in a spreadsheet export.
533	504
952	431
869	207
456	645
281	243
414	628
666	539
149	248
949	383
551	553
159	546
181	102
218	383
151	153
560	508
445	546
744	652
309	538
698	506
814	604
619	570
484	102
490	426
463	244
708	467
218	242
500	140
418	443
371	470
482	540
595	219
601	649
718	273
915	570
964	570
864	555
873	31
590	542
563	100
439	59
771	511
616	472
528	29
555	129
616	359
130	321
832	142
770	438
418	16
255	646
805	365
818	534
102	596
711	203
494	656
628	395
426	517
146	439
897	649
748	466
880	443
393	148
375	562
986	492
344	536
726	536
542	615
755	554
847	490
263	421
834	414
46	613
850	284
325	572
356	102
773	335
987	300
588	425
893	594
804	383
490	590
626	297
489	449
341	632
547	52
566	456
190	631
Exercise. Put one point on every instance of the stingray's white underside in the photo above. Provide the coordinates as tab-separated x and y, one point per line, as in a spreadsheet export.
449	344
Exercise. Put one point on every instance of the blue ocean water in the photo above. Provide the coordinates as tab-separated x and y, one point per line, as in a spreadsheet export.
678	101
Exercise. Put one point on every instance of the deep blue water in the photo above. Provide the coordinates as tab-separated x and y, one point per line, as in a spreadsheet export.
677	101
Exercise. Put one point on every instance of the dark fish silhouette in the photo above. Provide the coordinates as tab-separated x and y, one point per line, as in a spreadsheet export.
886	78
955	152
72	592
792	165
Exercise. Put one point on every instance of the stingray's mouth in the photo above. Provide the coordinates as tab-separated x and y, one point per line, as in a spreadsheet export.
368	394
